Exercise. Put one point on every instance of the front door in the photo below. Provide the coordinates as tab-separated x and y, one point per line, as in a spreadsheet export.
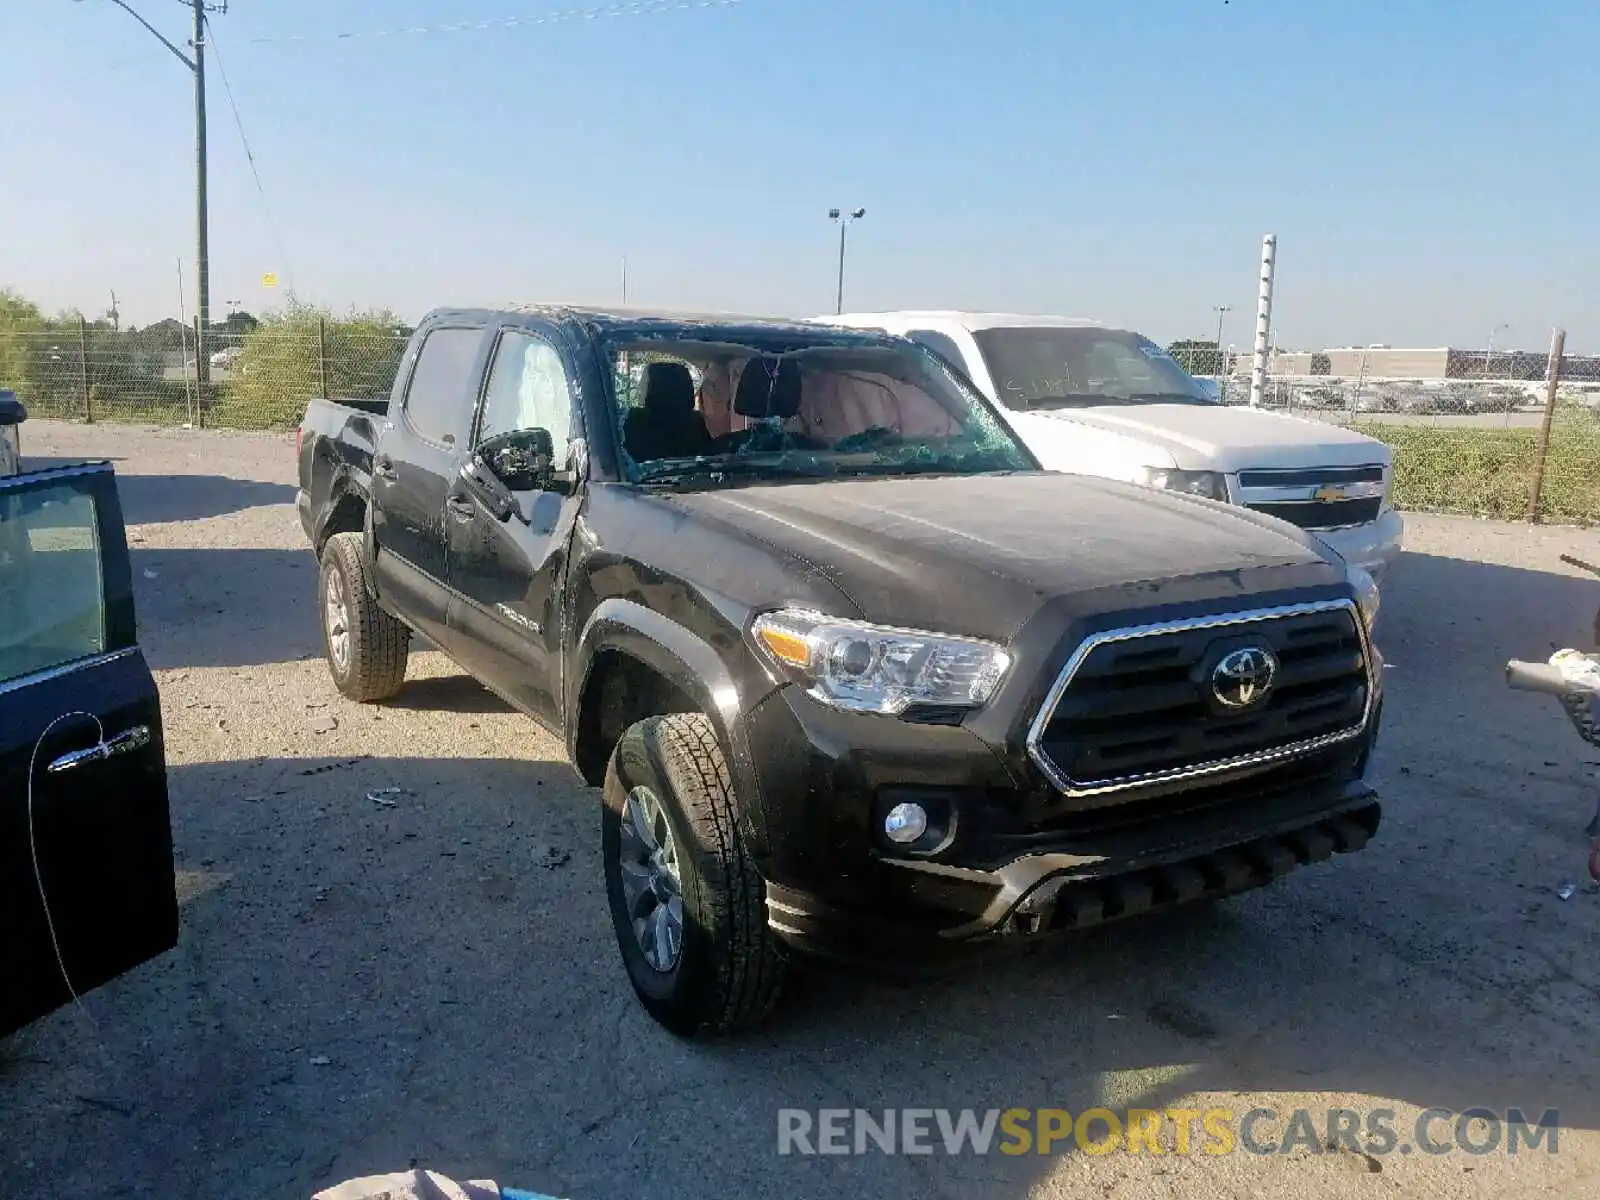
86	872
507	575
412	463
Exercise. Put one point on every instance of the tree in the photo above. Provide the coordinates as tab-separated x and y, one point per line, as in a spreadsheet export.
20	325
1197	356
284	361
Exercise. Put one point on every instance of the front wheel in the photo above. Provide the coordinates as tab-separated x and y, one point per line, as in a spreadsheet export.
687	904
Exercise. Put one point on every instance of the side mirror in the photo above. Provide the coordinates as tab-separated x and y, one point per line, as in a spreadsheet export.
11	410
523	460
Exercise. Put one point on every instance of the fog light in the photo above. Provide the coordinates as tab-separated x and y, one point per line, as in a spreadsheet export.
905	823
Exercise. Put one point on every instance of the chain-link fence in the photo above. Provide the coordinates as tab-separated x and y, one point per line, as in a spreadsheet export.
259	379
1466	427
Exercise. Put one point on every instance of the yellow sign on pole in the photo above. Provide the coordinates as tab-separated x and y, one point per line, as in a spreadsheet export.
269	280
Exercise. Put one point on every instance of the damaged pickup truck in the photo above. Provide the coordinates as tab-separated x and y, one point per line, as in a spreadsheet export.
856	677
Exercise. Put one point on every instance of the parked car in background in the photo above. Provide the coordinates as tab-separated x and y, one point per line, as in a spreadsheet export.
12	415
856	677
86	869
1097	400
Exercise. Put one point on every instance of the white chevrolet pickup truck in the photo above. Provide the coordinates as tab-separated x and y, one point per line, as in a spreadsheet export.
1095	400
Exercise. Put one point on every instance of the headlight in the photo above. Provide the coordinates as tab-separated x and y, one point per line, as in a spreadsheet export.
871	668
1213	485
1366	593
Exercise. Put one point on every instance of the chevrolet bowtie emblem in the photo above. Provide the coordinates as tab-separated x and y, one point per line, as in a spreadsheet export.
1328	493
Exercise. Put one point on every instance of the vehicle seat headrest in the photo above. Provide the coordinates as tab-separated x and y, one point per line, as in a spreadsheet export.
668	389
768	387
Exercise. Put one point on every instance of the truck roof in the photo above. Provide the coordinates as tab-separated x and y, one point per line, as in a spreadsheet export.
973	320
627	320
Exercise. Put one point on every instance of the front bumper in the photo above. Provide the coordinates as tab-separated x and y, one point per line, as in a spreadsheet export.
1373	546
1023	864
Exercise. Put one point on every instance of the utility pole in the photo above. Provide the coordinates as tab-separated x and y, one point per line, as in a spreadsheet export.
116	317
197	68
202	244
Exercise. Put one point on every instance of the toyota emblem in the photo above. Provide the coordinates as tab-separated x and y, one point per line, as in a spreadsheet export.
1243	677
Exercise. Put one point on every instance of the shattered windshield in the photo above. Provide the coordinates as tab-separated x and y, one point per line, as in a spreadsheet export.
1047	367
694	412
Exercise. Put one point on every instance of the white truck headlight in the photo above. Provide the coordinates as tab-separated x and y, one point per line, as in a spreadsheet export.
1367	595
877	669
1213	485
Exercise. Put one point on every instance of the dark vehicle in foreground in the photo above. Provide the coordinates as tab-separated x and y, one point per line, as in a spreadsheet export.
86	872
857	678
12	414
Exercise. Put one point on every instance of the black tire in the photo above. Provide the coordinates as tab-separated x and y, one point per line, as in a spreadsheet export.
376	645
729	971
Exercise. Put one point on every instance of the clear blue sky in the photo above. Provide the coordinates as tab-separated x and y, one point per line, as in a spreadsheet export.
1431	167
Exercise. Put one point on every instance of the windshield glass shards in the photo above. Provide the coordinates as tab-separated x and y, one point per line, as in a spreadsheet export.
696	413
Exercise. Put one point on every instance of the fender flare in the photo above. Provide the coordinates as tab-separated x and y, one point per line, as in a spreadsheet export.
693	666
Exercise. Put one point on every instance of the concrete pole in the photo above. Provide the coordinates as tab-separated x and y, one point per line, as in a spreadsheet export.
1258	373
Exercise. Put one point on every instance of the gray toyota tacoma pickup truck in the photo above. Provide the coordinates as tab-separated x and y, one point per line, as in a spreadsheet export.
855	677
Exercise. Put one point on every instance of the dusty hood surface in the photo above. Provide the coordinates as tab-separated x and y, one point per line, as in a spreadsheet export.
981	554
1234	439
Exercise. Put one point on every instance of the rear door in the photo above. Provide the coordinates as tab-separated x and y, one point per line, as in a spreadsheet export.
86	871
416	456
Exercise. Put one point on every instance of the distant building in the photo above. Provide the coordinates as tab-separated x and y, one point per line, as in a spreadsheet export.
1442	362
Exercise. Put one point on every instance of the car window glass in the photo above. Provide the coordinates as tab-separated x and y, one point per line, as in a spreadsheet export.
1052	366
941	344
439	397
528	389
51	585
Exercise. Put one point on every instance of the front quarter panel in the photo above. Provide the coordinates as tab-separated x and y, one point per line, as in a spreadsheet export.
676	593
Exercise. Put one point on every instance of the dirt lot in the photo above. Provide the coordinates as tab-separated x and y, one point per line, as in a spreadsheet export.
360	987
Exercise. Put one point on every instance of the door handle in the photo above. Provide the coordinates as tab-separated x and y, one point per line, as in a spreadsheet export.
383	465
462	507
125	742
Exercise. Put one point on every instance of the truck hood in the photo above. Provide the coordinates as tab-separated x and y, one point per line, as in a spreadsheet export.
1220	438
980	555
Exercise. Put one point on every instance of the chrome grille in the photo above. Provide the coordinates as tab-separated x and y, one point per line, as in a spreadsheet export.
1130	707
1315	497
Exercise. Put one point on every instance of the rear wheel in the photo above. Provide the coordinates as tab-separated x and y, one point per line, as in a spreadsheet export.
366	648
687	904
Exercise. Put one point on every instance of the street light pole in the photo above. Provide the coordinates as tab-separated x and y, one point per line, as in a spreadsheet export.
197	68
1489	353
1222	310
844	219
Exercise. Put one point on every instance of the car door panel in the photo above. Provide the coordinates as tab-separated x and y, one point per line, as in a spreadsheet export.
507	572
506	576
408	532
415	456
86	871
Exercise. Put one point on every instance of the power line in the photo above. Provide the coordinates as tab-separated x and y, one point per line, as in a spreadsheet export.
266	208
639	8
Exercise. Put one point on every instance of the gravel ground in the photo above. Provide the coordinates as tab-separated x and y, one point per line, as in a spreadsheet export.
363	986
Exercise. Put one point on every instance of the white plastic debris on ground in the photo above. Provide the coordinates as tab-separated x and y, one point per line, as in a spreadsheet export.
1577	668
411	1185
